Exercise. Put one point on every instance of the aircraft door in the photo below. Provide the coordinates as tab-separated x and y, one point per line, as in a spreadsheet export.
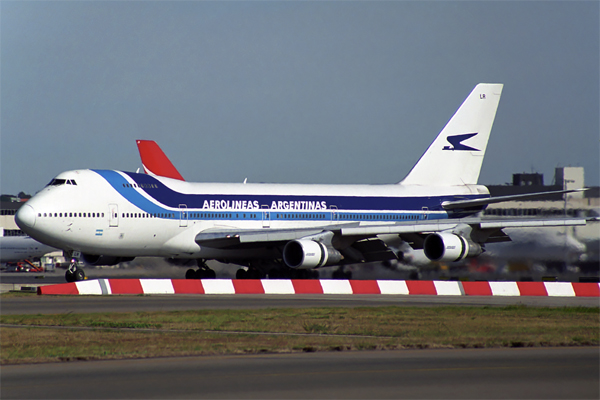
334	213
183	215
113	215
266	218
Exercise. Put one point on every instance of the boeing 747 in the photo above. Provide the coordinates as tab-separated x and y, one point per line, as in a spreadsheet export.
278	230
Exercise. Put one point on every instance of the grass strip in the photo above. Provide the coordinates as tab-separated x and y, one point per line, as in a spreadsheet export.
62	337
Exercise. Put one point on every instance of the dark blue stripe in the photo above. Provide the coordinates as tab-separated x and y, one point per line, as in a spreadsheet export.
194	202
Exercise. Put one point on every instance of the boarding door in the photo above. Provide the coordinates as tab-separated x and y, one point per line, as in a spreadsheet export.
334	213
266	217
425	212
113	215
183	215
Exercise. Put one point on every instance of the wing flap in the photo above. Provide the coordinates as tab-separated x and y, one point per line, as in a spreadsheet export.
374	250
230	238
372	230
534	223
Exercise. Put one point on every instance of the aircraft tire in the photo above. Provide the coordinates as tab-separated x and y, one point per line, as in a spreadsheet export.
279	273
190	274
341	274
69	276
78	275
305	274
254	273
206	274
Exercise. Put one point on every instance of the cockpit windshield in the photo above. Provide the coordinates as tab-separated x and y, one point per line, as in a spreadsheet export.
59	182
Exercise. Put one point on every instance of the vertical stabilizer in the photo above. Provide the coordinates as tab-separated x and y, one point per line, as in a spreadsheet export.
456	155
155	161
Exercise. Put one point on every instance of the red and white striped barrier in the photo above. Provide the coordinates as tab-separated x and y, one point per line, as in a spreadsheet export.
323	286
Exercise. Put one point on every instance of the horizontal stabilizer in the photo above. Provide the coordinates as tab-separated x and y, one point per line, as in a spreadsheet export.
452	205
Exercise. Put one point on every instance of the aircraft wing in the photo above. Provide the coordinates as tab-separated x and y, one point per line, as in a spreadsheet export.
444	225
227	238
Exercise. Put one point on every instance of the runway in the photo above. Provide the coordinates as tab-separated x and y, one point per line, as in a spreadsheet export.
496	373
479	373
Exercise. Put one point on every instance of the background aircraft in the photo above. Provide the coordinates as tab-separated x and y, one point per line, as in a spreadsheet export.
17	248
155	162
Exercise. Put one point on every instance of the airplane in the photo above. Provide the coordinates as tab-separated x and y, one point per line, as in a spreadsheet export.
284	230
17	248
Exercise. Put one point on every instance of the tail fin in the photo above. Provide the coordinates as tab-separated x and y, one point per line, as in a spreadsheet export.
155	161
456	155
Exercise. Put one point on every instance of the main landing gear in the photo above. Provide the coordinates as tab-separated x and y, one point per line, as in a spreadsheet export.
250	273
341	273
203	272
276	272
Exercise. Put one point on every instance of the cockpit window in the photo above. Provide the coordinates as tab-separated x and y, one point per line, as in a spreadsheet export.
57	182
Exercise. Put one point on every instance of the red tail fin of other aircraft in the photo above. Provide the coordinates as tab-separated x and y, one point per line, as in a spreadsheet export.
155	161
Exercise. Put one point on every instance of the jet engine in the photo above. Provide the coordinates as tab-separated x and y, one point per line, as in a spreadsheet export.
307	254
93	259
449	247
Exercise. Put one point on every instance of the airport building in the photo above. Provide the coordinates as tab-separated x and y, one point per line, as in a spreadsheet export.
584	204
8	208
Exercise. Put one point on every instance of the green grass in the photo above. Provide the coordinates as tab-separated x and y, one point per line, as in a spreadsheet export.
43	338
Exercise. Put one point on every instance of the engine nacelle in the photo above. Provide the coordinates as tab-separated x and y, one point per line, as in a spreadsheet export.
449	247
93	259
307	254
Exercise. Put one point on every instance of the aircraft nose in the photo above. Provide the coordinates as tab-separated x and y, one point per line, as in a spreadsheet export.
25	217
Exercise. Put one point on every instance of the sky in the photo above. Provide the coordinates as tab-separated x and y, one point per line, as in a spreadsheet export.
290	91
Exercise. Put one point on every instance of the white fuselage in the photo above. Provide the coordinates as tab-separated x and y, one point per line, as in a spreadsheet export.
116	213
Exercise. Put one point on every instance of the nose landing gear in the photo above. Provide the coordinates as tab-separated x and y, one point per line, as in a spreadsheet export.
74	273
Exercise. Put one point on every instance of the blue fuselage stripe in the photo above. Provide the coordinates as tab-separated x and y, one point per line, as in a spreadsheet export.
281	207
